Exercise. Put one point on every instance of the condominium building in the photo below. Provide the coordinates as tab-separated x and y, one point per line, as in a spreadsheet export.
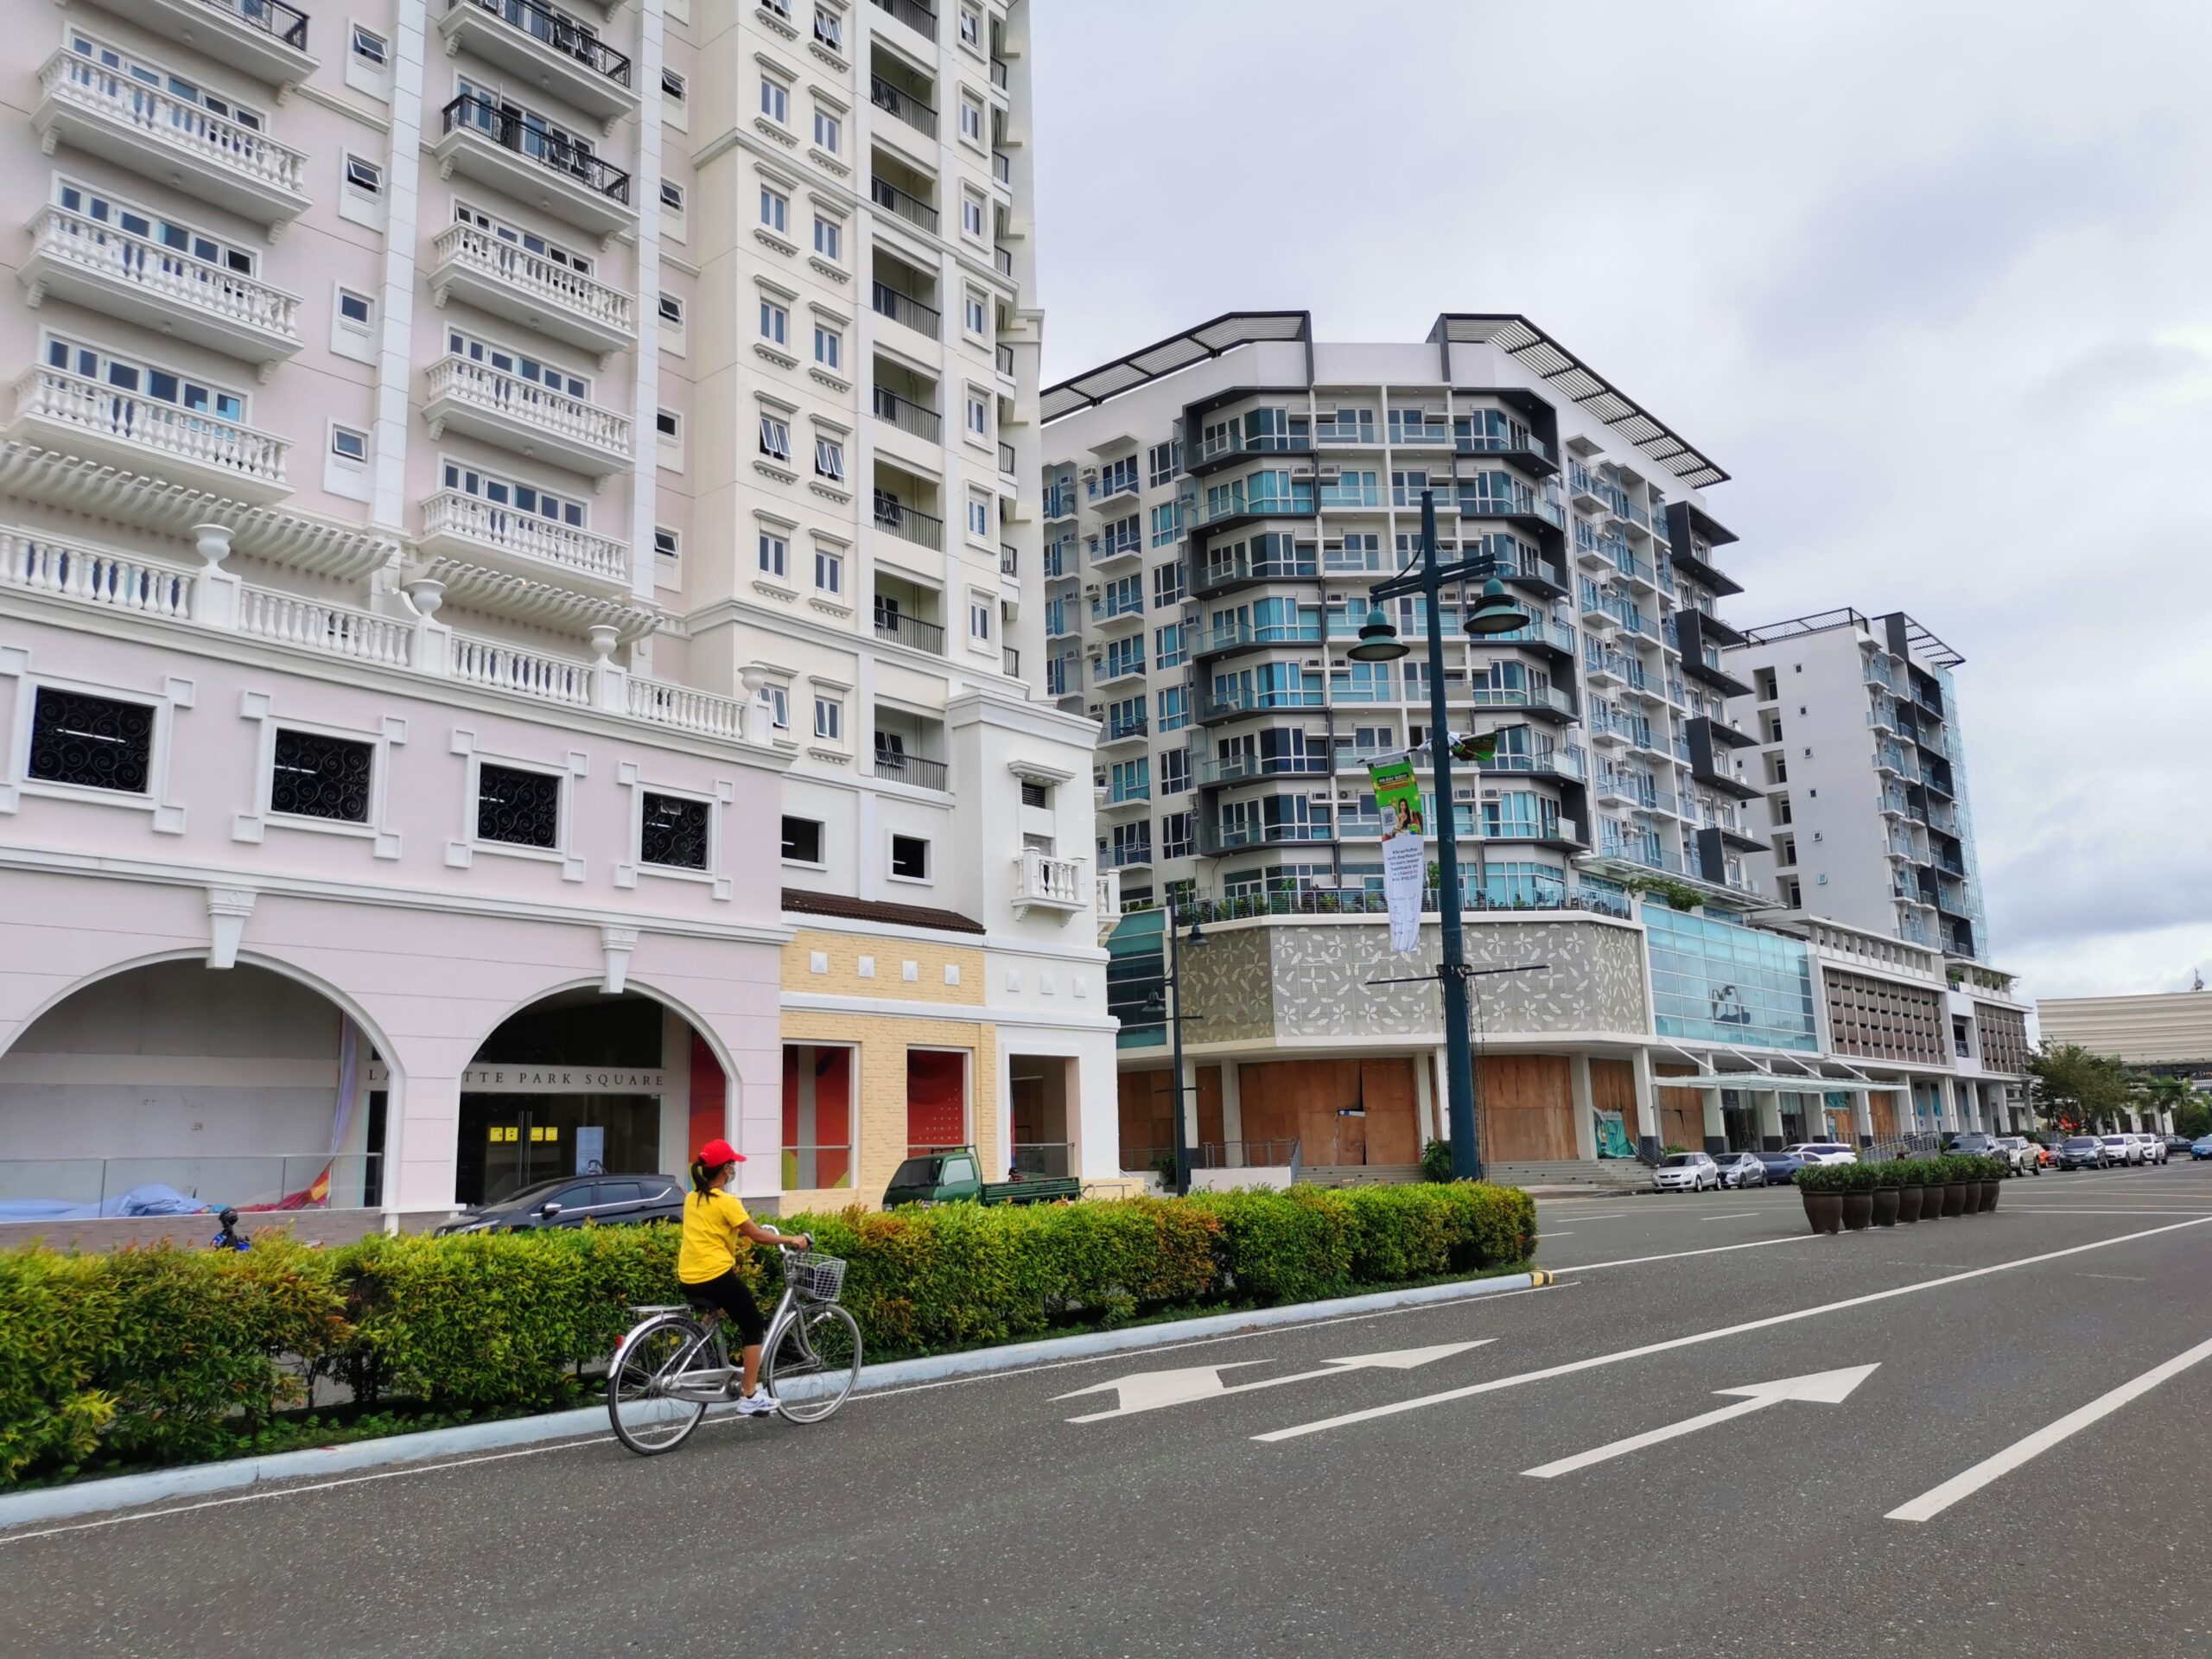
508	534
1219	506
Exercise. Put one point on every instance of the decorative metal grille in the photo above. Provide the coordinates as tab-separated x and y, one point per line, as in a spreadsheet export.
93	742
675	832
521	808
317	777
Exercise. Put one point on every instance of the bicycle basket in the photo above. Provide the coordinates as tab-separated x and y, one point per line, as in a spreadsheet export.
814	1278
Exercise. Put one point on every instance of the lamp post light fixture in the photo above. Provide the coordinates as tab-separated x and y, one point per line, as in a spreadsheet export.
1157	1003
1493	613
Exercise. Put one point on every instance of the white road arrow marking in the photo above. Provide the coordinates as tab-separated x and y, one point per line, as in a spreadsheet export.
1155	1390
1827	1388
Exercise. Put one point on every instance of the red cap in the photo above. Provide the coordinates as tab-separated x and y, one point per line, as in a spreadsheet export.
715	1153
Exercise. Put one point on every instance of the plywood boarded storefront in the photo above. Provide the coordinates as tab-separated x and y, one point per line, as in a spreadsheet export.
1528	1107
1338	1111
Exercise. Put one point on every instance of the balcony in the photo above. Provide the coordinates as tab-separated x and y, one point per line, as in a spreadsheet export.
77	415
544	50
906	205
902	105
495	145
1568	762
1057	886
901	627
507	280
1106	554
914	16
266	39
1104	494
905	310
1136	855
914	769
106	269
908	415
1129	725
472	531
521	415
107	113
1059	503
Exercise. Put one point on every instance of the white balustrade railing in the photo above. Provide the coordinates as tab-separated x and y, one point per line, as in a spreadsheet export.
163	272
450	512
482	387
178	123
160	429
1047	880
527	673
92	578
476	248
687	710
314	625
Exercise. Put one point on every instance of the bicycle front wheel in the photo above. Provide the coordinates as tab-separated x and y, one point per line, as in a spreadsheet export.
814	1363
647	1419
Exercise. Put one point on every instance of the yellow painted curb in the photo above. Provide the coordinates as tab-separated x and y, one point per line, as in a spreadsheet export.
1538	1276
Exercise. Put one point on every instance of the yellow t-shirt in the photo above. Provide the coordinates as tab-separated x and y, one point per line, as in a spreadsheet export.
710	1224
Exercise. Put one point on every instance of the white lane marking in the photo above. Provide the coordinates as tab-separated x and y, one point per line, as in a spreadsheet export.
1821	1387
1607	1215
1677	1255
1741	1214
1934	1501
1569	1233
2060	1210
1693	1340
1157	1391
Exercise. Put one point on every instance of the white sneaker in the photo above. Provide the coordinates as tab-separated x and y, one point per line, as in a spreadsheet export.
759	1403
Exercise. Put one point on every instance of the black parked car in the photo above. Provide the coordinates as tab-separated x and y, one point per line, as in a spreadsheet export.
573	1200
2178	1145
1782	1167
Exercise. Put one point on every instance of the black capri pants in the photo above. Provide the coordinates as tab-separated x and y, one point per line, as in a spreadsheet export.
730	1294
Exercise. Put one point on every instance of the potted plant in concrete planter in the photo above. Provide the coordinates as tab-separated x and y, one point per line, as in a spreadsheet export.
1960	1180
1994	1172
1889	1186
1909	1188
1857	1197
1822	1187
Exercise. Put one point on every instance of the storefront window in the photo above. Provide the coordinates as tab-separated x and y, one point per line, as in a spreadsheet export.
1714	981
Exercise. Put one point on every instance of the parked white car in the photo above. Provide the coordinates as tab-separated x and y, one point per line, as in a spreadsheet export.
2154	1148
2122	1149
1825	1152
2025	1155
1686	1171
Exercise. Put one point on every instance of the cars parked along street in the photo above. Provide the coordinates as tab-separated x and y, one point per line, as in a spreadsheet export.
1686	1171
1741	1169
1825	1152
604	1200
1781	1167
2083	1152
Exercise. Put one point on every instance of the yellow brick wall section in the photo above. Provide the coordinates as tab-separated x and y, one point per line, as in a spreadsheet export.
880	1072
843	952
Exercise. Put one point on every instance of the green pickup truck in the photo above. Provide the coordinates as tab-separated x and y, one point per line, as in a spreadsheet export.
954	1175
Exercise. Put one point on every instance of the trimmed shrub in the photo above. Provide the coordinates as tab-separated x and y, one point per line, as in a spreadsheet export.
153	1356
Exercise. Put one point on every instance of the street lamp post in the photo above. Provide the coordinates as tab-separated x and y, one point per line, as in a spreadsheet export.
1378	642
1172	985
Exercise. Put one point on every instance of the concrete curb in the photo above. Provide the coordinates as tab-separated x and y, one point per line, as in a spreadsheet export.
131	1491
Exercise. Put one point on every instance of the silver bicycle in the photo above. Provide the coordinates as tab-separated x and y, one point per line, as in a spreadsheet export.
674	1363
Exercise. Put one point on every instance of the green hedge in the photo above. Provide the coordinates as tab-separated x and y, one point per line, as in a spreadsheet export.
154	1356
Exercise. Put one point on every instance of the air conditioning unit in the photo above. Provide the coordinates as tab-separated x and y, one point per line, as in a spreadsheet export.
1469	794
1311	662
1093	590
1329	475
1488	794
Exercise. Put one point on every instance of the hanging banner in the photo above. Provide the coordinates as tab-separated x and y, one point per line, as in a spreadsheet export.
1397	796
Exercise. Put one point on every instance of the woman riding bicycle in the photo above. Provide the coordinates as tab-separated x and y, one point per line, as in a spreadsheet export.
706	1266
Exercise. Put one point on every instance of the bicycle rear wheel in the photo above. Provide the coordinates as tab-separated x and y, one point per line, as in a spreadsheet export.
646	1418
814	1363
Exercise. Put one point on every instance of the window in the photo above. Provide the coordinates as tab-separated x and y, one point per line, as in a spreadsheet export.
829	718
671	196
777	700
522	808
775	436
671	84
312	776
775	322
128	375
775	554
364	177
829	130
971	118
665	542
775	210
91	742
979	617
910	858
520	364
1174	770
830	457
830	28
971	27
370	47
829	570
508	492
1169	649
153	227
775	100
347	444
671	309
1175	835
971	214
674	832
979	514
1160	463
828	346
829	239
971	313
353	307
1166	523
802	840
668	425
1168	585
978	413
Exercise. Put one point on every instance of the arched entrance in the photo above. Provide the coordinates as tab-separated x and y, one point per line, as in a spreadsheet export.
582	1084
171	1086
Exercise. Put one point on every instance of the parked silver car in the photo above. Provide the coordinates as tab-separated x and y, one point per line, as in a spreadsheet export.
1686	1171
2023	1155
1740	1169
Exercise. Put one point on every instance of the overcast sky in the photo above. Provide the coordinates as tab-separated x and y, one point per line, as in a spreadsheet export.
1932	281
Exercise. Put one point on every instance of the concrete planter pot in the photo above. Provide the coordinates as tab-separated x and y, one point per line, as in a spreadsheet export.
1858	1211
1909	1203
1989	1192
1955	1198
1823	1211
1886	1205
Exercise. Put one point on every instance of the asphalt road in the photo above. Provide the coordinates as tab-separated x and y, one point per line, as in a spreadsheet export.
975	1518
